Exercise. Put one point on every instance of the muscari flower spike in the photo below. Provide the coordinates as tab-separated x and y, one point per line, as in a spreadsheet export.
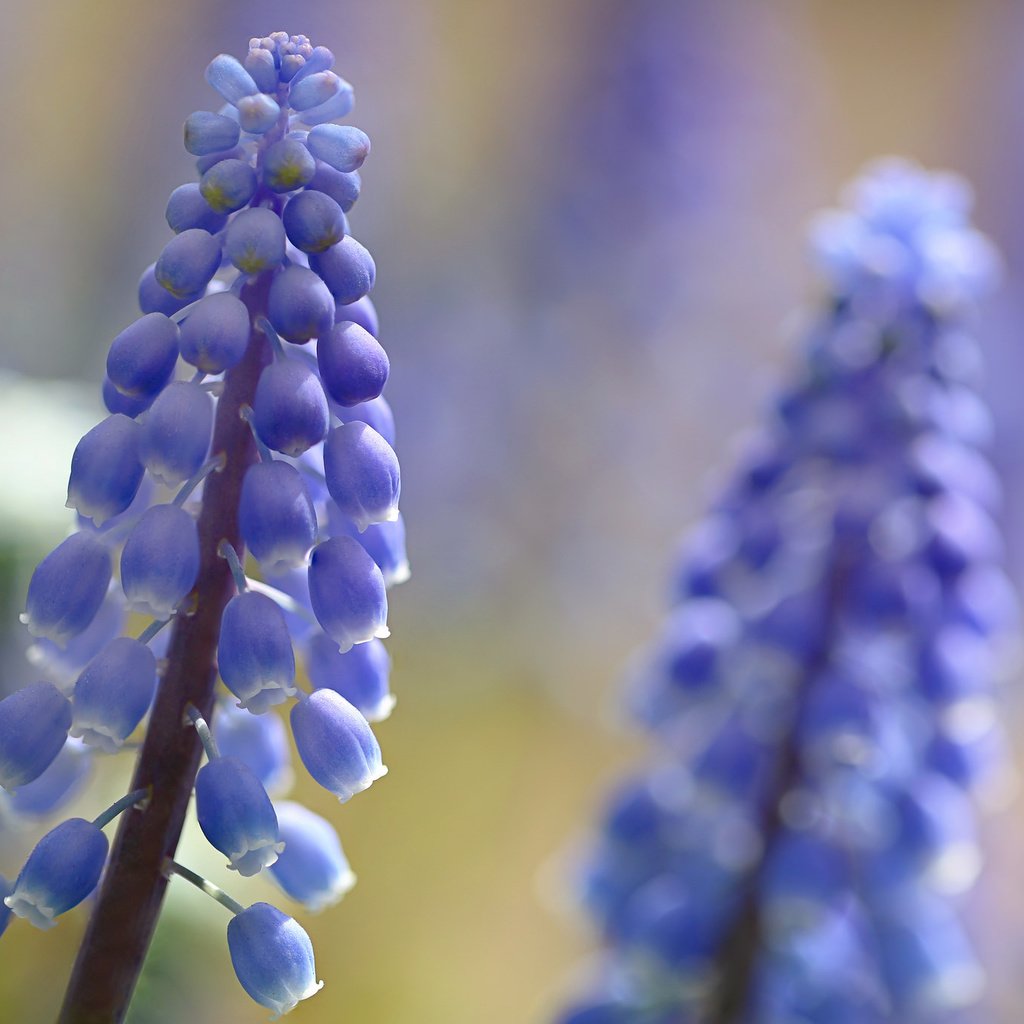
261	268
822	681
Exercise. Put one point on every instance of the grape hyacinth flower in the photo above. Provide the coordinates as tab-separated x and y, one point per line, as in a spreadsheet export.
826	673
220	410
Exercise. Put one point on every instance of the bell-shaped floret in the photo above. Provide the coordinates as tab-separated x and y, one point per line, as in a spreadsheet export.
261	67
299	305
287	165
215	334
347	269
160	561
276	515
209	133
67	588
176	432
187	263
142	357
360	675
312	868
313	221
258	741
255	653
105	469
342	187
376	413
227	75
254	242
362	474
236	815
353	365
60	872
336	744
341	146
272	957
113	693
258	114
155	298
186	208
59	783
34	723
227	186
347	593
290	410
339	105
384	543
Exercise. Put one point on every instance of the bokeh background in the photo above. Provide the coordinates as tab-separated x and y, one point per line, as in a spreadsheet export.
588	218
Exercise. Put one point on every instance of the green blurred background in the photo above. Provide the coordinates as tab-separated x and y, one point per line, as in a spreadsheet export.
588	221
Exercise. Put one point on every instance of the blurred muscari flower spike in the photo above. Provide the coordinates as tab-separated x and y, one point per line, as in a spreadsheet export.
246	418
822	682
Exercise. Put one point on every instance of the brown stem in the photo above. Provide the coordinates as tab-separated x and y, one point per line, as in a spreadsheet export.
126	912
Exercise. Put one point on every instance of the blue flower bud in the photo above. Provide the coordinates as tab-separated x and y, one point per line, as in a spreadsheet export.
228	185
276	515
160	561
347	269
347	593
204	163
187	263
290	409
260	65
66	774
312	868
258	741
258	114
67	588
154	298
376	413
186	208
215	334
342	187
115	529
299	305
314	89
319	59
272	957
142	357
362	474
336	744
113	693
5	911
360	675
60	872
314	221
353	366
339	105
105	469
34	723
341	146
226	74
255	240
175	435
255	653
287	165
209	133
236	815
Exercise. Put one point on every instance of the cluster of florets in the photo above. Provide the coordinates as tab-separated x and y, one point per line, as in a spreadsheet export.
262	270
822	689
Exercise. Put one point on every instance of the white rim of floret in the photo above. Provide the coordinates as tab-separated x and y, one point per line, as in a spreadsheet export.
164	474
284	557
401	573
280	1007
143	602
350	637
344	883
100	735
27	904
345	793
372	516
44	631
382	709
98	513
255	856
267	695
